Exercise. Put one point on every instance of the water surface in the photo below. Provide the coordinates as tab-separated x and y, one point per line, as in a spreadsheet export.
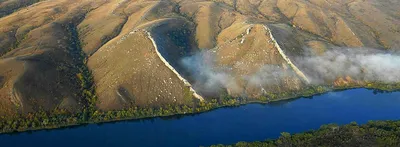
251	122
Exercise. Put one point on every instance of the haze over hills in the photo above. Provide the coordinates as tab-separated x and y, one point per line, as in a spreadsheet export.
60	54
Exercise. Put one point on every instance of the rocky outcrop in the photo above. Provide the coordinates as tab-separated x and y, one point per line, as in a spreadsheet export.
186	82
282	53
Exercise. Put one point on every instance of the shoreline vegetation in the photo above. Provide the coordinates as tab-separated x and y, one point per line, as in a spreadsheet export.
90	115
373	133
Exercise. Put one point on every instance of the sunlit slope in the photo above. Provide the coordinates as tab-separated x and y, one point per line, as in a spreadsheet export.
61	54
42	57
350	23
251	51
130	72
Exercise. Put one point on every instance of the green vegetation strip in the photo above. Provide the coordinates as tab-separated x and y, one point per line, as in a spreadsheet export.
374	133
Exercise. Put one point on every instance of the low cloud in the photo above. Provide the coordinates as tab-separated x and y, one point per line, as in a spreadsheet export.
361	64
208	77
211	78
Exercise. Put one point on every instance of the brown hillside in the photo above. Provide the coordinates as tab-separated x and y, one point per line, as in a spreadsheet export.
54	53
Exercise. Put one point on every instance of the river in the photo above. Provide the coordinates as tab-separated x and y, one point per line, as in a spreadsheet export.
250	122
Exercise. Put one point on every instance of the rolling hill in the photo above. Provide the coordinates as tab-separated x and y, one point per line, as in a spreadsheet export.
107	55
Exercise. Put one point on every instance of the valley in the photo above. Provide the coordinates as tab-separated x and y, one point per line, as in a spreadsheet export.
73	62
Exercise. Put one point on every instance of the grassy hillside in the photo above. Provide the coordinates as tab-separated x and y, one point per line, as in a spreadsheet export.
82	61
10	6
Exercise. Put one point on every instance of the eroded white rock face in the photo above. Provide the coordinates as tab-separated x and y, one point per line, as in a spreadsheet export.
195	94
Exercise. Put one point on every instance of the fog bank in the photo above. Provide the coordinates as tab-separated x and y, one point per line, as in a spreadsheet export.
358	63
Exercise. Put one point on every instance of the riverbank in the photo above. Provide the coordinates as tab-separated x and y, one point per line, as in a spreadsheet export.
250	122
374	133
61	119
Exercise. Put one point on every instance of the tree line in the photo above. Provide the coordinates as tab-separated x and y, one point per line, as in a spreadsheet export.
374	133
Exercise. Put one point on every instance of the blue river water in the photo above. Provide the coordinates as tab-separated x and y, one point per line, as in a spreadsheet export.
250	122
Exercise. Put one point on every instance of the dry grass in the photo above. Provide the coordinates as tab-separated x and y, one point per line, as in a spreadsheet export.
41	45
